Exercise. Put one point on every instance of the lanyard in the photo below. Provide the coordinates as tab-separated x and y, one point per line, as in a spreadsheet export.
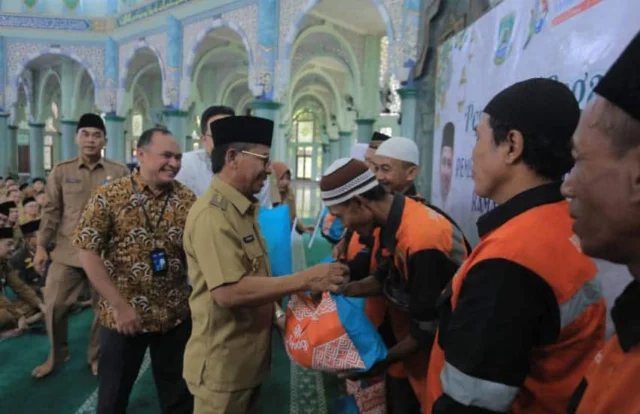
144	210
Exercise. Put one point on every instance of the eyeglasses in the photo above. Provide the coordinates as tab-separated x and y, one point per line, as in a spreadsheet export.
264	158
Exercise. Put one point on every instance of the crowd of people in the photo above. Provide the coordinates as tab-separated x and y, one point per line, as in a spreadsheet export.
178	265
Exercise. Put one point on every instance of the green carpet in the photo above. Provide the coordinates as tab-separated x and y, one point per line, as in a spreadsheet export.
72	389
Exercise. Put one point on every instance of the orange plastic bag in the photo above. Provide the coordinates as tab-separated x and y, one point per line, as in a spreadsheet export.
333	334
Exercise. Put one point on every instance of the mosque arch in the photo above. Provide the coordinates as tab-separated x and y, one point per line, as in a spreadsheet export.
317	72
29	60
130	71
226	95
292	34
44	94
202	36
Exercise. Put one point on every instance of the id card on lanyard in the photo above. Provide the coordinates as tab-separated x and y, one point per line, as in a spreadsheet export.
158	257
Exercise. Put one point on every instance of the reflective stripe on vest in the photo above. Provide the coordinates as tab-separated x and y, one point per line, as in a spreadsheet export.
472	391
589	294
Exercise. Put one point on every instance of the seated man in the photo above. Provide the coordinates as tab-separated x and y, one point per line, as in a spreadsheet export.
16	316
21	262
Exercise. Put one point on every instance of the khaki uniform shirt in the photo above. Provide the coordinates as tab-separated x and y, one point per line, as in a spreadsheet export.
229	349
114	226
68	189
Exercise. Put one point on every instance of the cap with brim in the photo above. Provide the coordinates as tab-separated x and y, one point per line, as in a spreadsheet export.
400	148
345	179
30	227
6	233
6	207
245	129
621	84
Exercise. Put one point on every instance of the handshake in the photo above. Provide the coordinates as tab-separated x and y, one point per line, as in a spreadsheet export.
326	277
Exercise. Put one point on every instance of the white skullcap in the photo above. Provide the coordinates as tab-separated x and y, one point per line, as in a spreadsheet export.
400	148
358	150
344	179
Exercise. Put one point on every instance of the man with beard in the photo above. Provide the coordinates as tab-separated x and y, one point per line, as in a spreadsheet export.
70	184
604	188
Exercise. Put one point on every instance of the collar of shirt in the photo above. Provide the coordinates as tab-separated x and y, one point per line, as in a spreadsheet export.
82	164
535	197
626	316
142	186
235	197
390	229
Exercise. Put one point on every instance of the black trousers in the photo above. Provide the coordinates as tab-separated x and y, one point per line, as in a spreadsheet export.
400	396
120	360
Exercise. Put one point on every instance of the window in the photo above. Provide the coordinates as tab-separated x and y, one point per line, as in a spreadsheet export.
304	158
305	131
389	84
136	125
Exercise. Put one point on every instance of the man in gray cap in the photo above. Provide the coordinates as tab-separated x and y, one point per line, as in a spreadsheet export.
604	188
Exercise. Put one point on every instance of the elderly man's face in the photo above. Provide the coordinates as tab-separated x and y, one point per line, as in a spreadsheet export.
394	175
603	188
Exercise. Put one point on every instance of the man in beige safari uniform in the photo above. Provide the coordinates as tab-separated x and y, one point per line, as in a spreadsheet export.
68	189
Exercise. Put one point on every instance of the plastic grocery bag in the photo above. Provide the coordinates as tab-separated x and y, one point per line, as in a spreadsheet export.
275	225
332	334
363	397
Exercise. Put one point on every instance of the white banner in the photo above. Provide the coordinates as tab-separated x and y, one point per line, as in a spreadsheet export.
573	41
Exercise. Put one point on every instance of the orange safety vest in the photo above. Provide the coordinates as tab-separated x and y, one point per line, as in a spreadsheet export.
611	383
417	228
539	239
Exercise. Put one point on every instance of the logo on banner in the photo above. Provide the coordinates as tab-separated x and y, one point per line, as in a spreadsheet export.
538	17
505	34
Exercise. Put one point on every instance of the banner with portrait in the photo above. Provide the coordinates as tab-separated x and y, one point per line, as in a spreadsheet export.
573	41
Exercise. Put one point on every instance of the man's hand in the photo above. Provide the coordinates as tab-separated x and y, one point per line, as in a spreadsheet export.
40	259
22	324
339	249
42	308
327	277
309	229
378	369
127	320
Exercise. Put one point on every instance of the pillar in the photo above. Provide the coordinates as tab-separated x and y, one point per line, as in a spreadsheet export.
68	147
408	97
176	122
266	53
370	105
110	70
334	150
36	149
345	144
5	153
269	110
115	138
188	143
365	130
3	75
174	66
13	149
